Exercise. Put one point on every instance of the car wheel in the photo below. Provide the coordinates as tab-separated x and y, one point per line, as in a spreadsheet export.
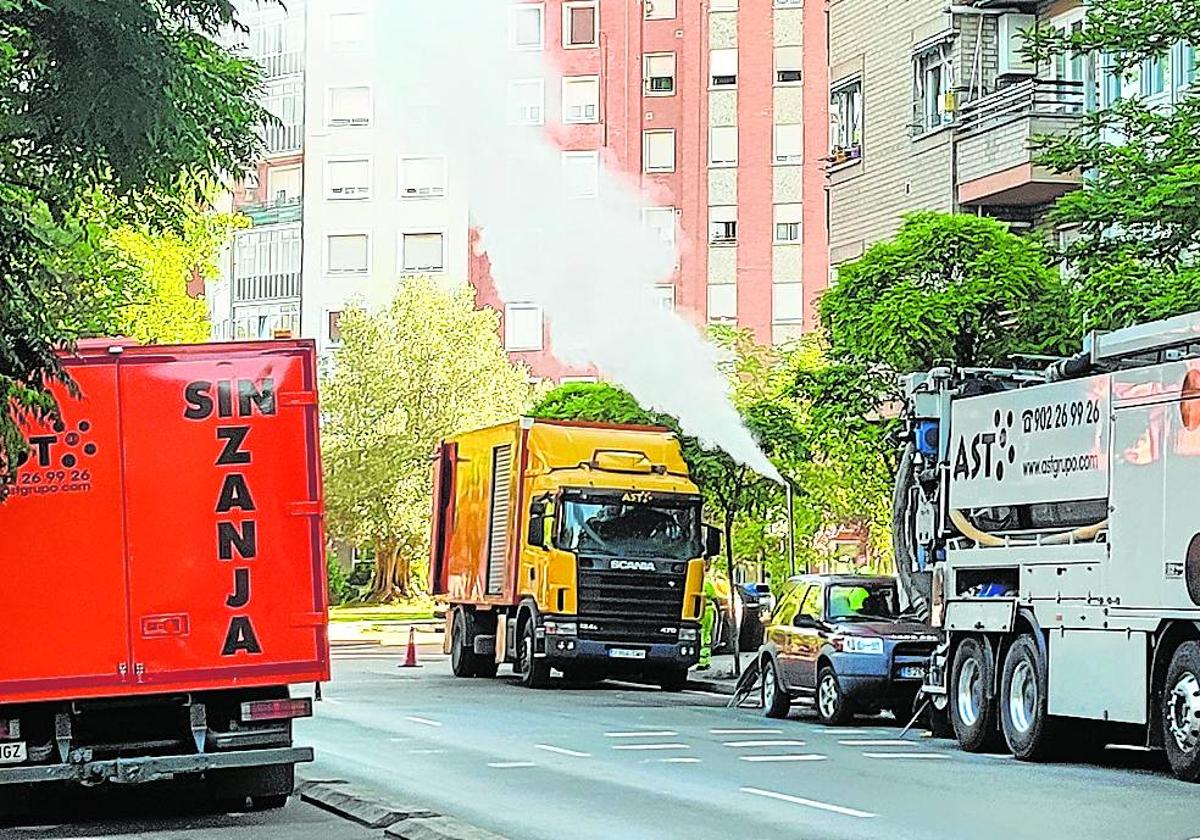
462	660
534	672
1181	712
777	703
833	708
1024	718
972	711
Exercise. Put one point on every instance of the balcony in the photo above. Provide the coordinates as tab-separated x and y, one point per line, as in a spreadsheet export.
280	211
995	163
266	287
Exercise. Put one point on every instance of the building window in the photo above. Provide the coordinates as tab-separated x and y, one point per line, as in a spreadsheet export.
347	31
1155	72
284	100
658	73
527	27
347	253
527	102
789	143
845	121
581	174
722	303
661	220
658	150
266	263
347	178
722	225
581	99
723	145
788	61
933	104
522	327
581	25
422	252
348	106
422	177
285	184
723	68
787	303
1186	67
334	327
658	9
664	296
787	223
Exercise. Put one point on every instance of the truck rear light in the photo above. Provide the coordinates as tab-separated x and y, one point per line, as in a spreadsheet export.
259	710
10	729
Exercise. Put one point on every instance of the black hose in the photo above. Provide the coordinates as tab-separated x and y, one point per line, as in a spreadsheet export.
915	586
1070	368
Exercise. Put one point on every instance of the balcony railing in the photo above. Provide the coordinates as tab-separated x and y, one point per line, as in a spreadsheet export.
266	287
282	139
1031	98
280	211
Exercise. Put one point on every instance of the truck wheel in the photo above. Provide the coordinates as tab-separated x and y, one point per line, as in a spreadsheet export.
486	667
833	708
1181	712
1024	718
269	803
266	787
777	703
463	661
972	712
674	680
534	672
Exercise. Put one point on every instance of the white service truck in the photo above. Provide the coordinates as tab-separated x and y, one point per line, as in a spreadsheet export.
1049	522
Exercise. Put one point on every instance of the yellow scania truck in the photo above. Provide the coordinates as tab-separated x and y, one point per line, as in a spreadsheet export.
569	546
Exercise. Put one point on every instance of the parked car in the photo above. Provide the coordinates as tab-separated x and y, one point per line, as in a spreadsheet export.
841	641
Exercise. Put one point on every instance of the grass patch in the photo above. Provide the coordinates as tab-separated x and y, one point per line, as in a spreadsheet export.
384	612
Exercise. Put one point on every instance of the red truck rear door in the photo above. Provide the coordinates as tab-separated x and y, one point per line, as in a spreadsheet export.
223	496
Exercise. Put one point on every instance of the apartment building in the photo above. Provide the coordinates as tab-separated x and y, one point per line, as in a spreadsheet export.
703	105
932	106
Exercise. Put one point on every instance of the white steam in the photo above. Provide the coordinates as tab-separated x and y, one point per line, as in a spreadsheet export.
590	264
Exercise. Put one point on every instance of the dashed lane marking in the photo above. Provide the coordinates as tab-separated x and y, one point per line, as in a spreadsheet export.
762	759
810	803
422	721
768	743
651	747
426	752
510	765
880	742
678	759
907	755
745	732
550	748
662	733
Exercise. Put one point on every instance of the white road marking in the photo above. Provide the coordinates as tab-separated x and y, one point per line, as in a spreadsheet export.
780	743
662	733
745	731
422	721
786	757
510	765
934	756
810	803
679	760
561	751
651	747
706	693
426	752
881	742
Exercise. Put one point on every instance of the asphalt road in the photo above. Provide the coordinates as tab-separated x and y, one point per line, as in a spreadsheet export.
620	761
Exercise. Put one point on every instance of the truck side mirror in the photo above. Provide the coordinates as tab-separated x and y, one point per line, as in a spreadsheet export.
537	530
712	541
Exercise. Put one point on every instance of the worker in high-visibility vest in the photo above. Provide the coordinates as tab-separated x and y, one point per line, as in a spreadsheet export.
708	621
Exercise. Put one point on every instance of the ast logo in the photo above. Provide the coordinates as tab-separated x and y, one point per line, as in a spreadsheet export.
57	462
632	565
986	453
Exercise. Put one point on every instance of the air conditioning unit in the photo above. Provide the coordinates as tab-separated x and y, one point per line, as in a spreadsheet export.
1012	59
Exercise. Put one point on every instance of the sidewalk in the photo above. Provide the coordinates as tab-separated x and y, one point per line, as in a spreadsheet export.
718	679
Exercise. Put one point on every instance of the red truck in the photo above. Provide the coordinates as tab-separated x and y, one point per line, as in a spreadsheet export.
162	554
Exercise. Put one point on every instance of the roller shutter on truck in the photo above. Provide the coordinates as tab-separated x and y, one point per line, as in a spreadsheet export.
502	461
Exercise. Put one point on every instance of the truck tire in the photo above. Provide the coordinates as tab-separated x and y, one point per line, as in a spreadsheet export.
833	707
462	655
777	703
267	788
533	672
674	680
1024	717
1181	712
972	712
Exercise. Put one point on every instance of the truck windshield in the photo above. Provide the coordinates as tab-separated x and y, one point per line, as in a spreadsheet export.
863	603
610	525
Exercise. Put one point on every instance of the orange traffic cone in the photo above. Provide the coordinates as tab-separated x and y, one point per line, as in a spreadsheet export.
410	658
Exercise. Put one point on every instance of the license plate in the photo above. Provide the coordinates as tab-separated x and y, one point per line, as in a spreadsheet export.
914	672
622	653
12	752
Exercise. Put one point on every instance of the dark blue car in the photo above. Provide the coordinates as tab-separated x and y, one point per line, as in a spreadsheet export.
840	640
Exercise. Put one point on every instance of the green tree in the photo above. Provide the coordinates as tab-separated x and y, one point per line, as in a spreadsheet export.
946	287
112	99
1134	258
429	366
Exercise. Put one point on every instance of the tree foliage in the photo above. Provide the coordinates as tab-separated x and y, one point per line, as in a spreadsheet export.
102	107
427	367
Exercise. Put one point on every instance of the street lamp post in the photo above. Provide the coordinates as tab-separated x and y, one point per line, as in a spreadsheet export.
791	526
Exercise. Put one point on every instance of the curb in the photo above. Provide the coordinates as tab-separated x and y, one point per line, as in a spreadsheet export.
401	820
715	686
